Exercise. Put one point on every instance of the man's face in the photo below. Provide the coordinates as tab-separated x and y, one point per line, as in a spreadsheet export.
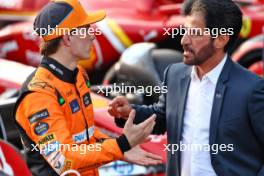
82	42
198	48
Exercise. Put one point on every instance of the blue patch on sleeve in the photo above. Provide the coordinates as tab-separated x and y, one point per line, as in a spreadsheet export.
38	116
41	128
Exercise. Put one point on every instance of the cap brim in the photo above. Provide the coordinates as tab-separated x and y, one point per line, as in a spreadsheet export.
94	17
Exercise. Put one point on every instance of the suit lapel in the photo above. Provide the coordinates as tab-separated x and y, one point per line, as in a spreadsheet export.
218	100
184	87
179	112
217	106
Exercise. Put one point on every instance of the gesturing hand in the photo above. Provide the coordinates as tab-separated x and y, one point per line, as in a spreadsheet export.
119	107
136	134
139	156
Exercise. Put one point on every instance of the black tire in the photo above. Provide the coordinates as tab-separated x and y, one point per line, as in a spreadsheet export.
161	57
250	58
164	57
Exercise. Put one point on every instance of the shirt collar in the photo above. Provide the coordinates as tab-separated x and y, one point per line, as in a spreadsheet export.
60	71
213	74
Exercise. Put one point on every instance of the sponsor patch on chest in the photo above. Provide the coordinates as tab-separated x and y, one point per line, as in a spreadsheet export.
87	99
75	107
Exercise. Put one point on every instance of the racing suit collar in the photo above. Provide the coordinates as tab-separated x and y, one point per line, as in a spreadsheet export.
60	71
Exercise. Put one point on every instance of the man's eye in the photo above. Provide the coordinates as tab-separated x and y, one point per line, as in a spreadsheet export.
73	30
195	31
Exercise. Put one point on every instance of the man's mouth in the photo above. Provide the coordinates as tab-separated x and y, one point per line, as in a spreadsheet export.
187	53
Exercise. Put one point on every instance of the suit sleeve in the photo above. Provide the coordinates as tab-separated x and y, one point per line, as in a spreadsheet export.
256	110
143	112
99	135
61	147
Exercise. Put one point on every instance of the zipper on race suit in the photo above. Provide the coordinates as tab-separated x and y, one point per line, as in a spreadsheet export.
86	123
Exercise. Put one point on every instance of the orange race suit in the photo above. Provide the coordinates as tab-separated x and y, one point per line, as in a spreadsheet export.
54	114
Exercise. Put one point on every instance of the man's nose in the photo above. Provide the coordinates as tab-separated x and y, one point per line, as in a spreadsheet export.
185	40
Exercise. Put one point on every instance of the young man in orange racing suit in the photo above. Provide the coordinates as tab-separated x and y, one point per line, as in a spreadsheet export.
54	112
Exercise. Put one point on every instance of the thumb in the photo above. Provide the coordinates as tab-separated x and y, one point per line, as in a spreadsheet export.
112	102
131	118
117	101
148	139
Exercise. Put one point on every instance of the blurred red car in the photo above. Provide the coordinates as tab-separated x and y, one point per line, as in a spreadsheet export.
251	54
128	22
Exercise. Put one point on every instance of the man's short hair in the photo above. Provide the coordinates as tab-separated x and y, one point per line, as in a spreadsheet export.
50	47
217	14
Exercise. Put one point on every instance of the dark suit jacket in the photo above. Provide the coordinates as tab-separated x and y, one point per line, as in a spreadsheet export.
237	118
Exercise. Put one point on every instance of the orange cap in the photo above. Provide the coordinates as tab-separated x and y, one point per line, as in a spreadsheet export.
63	14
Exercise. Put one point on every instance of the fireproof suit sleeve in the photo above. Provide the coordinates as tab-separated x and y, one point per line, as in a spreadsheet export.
55	126
99	135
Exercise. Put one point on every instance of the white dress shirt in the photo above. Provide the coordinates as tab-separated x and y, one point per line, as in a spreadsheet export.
196	161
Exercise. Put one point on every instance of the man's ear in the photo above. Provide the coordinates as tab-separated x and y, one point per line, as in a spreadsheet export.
221	41
66	40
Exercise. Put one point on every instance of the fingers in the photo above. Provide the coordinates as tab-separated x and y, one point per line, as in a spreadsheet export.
153	162
148	139
111	111
131	118
139	156
149	161
148	125
153	156
119	107
152	159
136	134
149	129
117	101
148	122
122	109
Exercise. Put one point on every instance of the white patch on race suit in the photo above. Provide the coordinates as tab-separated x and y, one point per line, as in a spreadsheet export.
81	137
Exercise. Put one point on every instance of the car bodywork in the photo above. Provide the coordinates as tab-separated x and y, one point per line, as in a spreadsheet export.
127	22
251	54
